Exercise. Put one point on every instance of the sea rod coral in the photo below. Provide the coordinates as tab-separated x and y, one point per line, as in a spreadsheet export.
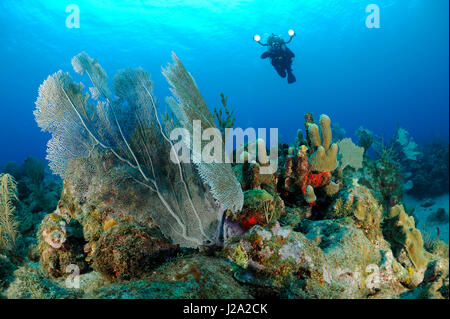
8	225
126	124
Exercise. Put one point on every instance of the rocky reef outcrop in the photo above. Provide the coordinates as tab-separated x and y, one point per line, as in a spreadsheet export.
101	221
356	241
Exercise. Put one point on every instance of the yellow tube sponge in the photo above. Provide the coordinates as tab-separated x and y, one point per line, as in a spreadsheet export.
325	156
310	197
262	152
332	188
324	121
313	132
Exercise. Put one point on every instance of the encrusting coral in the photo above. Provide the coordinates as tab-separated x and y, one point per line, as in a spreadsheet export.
126	251
260	208
275	252
29	283
435	284
358	203
60	245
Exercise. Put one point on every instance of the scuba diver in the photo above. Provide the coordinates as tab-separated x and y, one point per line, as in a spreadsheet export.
281	56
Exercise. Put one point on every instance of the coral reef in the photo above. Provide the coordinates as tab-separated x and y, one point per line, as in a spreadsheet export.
38	193
365	137
323	259
409	147
273	256
435	284
127	251
361	245
6	272
429	176
406	240
135	220
306	168
190	277
358	203
29	283
107	211
260	208
60	246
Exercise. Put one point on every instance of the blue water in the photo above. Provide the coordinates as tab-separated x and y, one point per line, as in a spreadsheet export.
358	76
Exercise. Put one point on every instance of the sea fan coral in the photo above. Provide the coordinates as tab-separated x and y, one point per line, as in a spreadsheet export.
189	106
351	154
130	129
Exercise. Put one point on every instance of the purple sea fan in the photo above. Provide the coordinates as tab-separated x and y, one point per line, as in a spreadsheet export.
127	125
231	229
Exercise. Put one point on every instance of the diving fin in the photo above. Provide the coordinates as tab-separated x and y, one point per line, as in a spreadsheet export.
291	78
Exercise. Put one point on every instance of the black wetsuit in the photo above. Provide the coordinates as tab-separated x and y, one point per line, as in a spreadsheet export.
281	59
